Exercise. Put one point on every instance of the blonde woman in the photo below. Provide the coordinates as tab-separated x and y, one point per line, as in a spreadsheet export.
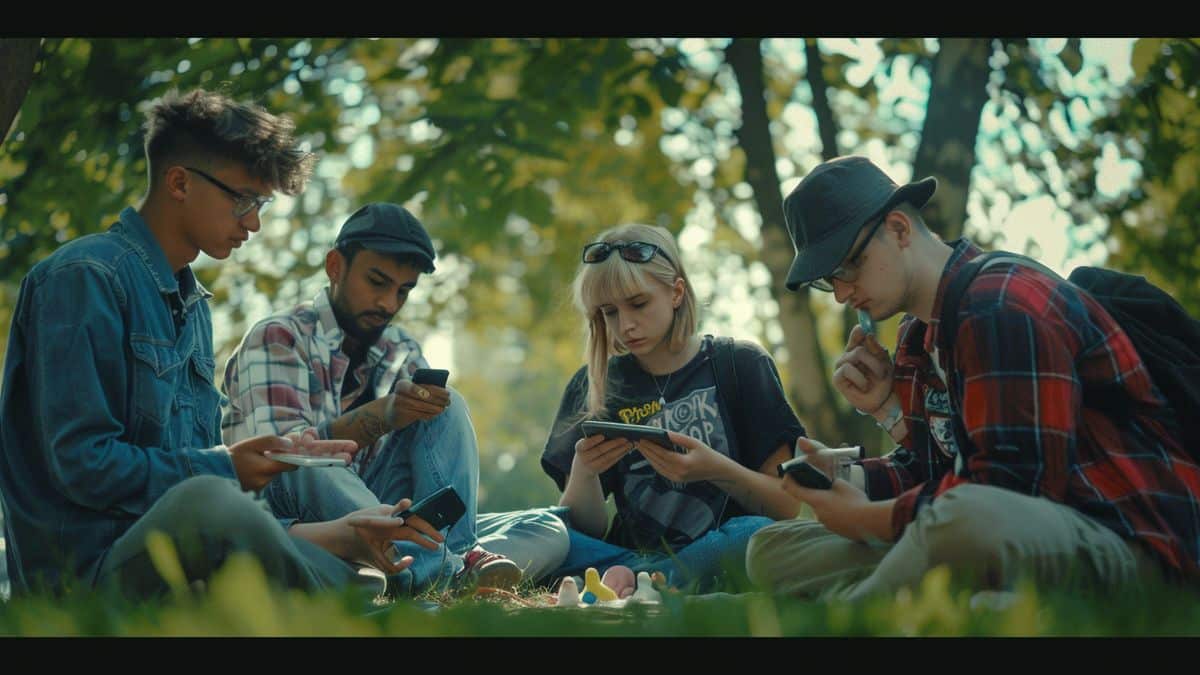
686	511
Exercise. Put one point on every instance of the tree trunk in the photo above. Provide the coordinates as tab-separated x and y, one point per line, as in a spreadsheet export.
814	72
17	59
957	92
810	390
855	426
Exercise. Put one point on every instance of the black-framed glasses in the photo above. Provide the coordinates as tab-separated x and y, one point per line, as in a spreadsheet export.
242	202
633	251
848	271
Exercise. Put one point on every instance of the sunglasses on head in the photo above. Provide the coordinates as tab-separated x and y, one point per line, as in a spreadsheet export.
633	251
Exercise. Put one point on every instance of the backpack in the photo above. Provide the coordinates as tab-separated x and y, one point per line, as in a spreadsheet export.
1166	338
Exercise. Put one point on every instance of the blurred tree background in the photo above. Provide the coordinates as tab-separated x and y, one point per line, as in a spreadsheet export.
515	152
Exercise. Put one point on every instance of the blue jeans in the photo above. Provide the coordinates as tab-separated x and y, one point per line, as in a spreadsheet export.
699	563
414	462
208	518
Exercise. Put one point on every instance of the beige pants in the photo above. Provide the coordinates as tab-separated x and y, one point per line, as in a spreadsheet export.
995	536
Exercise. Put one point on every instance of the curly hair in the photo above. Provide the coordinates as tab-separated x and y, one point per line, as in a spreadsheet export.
209	125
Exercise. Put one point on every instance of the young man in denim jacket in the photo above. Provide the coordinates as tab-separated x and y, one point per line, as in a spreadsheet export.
109	420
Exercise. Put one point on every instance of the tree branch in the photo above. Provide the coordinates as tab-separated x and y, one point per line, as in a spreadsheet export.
18	57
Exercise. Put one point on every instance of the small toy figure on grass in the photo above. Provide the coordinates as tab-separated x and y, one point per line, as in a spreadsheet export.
598	592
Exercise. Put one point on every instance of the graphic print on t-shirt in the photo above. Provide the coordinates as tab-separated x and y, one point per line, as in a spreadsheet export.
694	415
692	508
941	424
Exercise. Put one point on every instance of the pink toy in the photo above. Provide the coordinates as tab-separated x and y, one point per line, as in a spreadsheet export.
620	579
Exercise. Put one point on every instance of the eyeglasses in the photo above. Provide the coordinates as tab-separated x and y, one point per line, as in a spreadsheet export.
633	251
848	271
242	202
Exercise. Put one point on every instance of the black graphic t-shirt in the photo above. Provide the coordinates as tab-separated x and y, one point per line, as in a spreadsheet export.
651	511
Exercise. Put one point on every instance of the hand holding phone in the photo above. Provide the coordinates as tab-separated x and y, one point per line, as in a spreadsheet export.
434	376
421	398
805	474
441	509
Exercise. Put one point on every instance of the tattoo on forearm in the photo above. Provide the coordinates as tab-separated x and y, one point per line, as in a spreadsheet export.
370	426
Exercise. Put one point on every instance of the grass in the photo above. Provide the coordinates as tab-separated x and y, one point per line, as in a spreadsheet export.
240	602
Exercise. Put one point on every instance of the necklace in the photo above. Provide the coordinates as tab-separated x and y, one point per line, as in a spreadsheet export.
662	391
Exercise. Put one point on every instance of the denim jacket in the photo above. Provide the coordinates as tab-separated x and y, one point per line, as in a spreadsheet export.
107	402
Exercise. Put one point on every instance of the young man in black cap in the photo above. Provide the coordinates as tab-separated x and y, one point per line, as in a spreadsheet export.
1005	466
336	365
109	419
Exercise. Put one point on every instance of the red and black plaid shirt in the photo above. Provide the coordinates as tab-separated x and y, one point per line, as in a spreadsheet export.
1027	353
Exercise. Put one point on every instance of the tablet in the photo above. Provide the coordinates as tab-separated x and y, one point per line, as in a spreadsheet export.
630	432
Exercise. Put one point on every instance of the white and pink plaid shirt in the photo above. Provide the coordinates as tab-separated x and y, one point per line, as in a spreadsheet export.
287	374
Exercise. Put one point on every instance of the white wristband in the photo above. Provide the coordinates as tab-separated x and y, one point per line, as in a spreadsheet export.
894	416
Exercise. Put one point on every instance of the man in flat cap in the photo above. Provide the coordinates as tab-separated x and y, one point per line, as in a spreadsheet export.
337	364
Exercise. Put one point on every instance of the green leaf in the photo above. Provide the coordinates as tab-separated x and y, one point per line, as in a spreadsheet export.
1145	52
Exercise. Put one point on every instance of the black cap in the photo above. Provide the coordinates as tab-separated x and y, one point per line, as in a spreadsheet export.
827	210
388	228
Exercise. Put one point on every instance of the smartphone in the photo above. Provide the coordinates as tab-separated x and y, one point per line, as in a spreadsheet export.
435	376
306	460
630	432
440	509
805	474
866	322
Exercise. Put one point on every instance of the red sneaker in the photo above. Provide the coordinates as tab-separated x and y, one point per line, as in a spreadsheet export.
484	568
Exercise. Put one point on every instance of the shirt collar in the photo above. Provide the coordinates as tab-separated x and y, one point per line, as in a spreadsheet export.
964	250
133	228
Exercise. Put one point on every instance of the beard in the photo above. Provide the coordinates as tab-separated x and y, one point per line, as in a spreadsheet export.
349	322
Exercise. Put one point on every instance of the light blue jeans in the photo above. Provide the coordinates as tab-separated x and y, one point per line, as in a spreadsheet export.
208	518
699	563
414	462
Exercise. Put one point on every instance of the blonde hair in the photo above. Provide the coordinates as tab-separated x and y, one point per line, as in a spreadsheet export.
615	279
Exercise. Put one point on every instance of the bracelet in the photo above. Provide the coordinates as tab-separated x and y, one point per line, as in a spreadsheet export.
860	411
892	419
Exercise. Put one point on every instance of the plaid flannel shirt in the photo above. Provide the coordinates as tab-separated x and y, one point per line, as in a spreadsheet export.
1029	349
287	374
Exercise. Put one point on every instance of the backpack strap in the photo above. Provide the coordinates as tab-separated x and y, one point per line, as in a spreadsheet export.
948	321
725	370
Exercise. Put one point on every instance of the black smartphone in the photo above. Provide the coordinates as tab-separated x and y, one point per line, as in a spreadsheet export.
435	376
440	509
630	432
805	474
